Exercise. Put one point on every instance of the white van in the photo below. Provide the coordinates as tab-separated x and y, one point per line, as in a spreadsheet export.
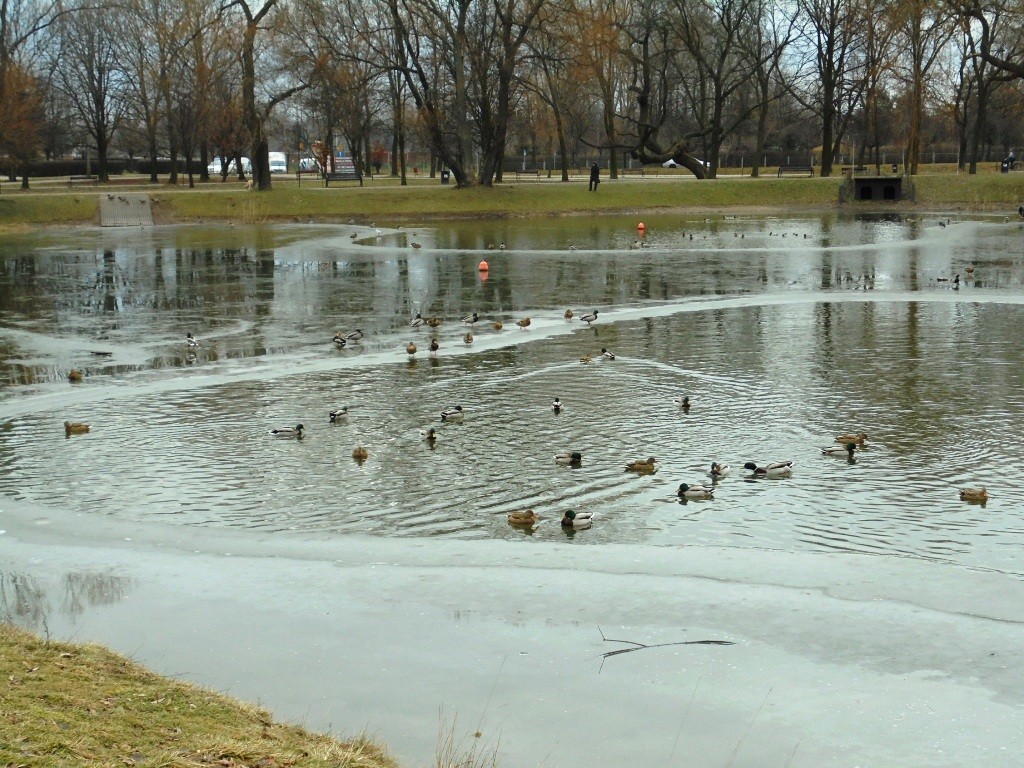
278	162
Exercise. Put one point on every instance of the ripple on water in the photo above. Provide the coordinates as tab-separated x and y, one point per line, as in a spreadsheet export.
766	383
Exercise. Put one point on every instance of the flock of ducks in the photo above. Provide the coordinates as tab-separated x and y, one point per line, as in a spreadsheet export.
846	444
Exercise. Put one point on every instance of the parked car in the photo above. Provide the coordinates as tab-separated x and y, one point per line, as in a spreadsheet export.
214	168
278	162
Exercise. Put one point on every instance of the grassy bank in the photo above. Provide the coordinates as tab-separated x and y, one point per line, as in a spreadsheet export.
75	705
383	200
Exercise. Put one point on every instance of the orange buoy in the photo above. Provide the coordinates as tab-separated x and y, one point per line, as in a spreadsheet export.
483	267
640	227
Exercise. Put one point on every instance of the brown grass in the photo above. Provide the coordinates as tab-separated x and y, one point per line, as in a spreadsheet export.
83	705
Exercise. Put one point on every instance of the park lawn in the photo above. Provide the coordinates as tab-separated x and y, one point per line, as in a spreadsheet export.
382	203
35	210
72	705
383	200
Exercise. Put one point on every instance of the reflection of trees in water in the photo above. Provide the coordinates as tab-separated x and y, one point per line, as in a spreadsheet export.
24	601
82	590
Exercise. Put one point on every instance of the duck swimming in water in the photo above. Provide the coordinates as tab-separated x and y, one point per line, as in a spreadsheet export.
775	469
556	406
452	414
859	439
641	465
526	518
975	495
695	491
719	470
571	458
840	450
295	431
338	414
606	354
574	519
75	428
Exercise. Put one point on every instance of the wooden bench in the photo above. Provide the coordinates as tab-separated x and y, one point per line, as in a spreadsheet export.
802	170
641	171
854	168
530	172
82	179
342	176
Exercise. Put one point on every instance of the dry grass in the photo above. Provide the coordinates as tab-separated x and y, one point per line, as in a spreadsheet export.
74	705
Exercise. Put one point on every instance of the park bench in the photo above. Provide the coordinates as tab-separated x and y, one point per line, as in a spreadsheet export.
82	179
641	171
342	176
802	170
530	173
854	168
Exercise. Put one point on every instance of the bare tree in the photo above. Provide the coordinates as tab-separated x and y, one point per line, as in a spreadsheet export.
834	48
89	73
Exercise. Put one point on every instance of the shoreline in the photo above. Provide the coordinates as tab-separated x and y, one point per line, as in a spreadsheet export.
507	637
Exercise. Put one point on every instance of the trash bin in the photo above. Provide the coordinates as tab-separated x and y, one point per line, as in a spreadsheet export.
895	168
445	175
1004	167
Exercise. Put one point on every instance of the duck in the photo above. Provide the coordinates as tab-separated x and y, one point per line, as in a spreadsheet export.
641	465
586	359
574	519
498	325
569	315
683	402
429	434
410	349
859	439
471	319
775	469
840	450
452	414
354	336
695	492
590	317
191	341
501	246
526	518
295	431
416	245
556	406
359	453
75	376
468	338
339	340
434	322
417	321
572	458
434	346
606	354
719	470
490	246
977	495
524	323
75	428
338	414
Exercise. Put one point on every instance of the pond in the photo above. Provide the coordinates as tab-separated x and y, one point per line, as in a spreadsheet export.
783	332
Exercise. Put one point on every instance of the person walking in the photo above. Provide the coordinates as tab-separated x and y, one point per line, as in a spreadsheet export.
595	177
